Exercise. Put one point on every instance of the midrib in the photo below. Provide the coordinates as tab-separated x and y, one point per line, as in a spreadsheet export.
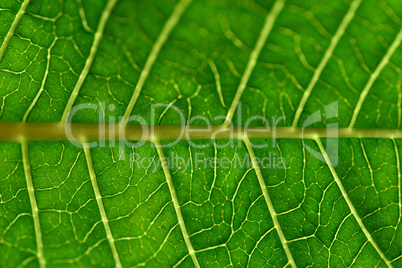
16	132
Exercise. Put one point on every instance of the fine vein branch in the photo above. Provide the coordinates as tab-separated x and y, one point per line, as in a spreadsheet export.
16	132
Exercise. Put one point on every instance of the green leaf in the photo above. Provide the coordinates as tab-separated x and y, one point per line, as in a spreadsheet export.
321	187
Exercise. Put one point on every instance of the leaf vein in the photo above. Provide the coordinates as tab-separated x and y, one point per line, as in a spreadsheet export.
88	63
101	207
255	53
14	25
160	41
34	205
268	201
350	204
327	55
176	203
395	44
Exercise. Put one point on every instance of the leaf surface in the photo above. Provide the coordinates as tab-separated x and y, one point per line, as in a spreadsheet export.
201	202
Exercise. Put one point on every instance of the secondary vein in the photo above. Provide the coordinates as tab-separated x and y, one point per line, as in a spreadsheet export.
102	210
395	44
34	205
350	204
252	61
14	25
176	203
88	63
268	201
327	55
160	41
